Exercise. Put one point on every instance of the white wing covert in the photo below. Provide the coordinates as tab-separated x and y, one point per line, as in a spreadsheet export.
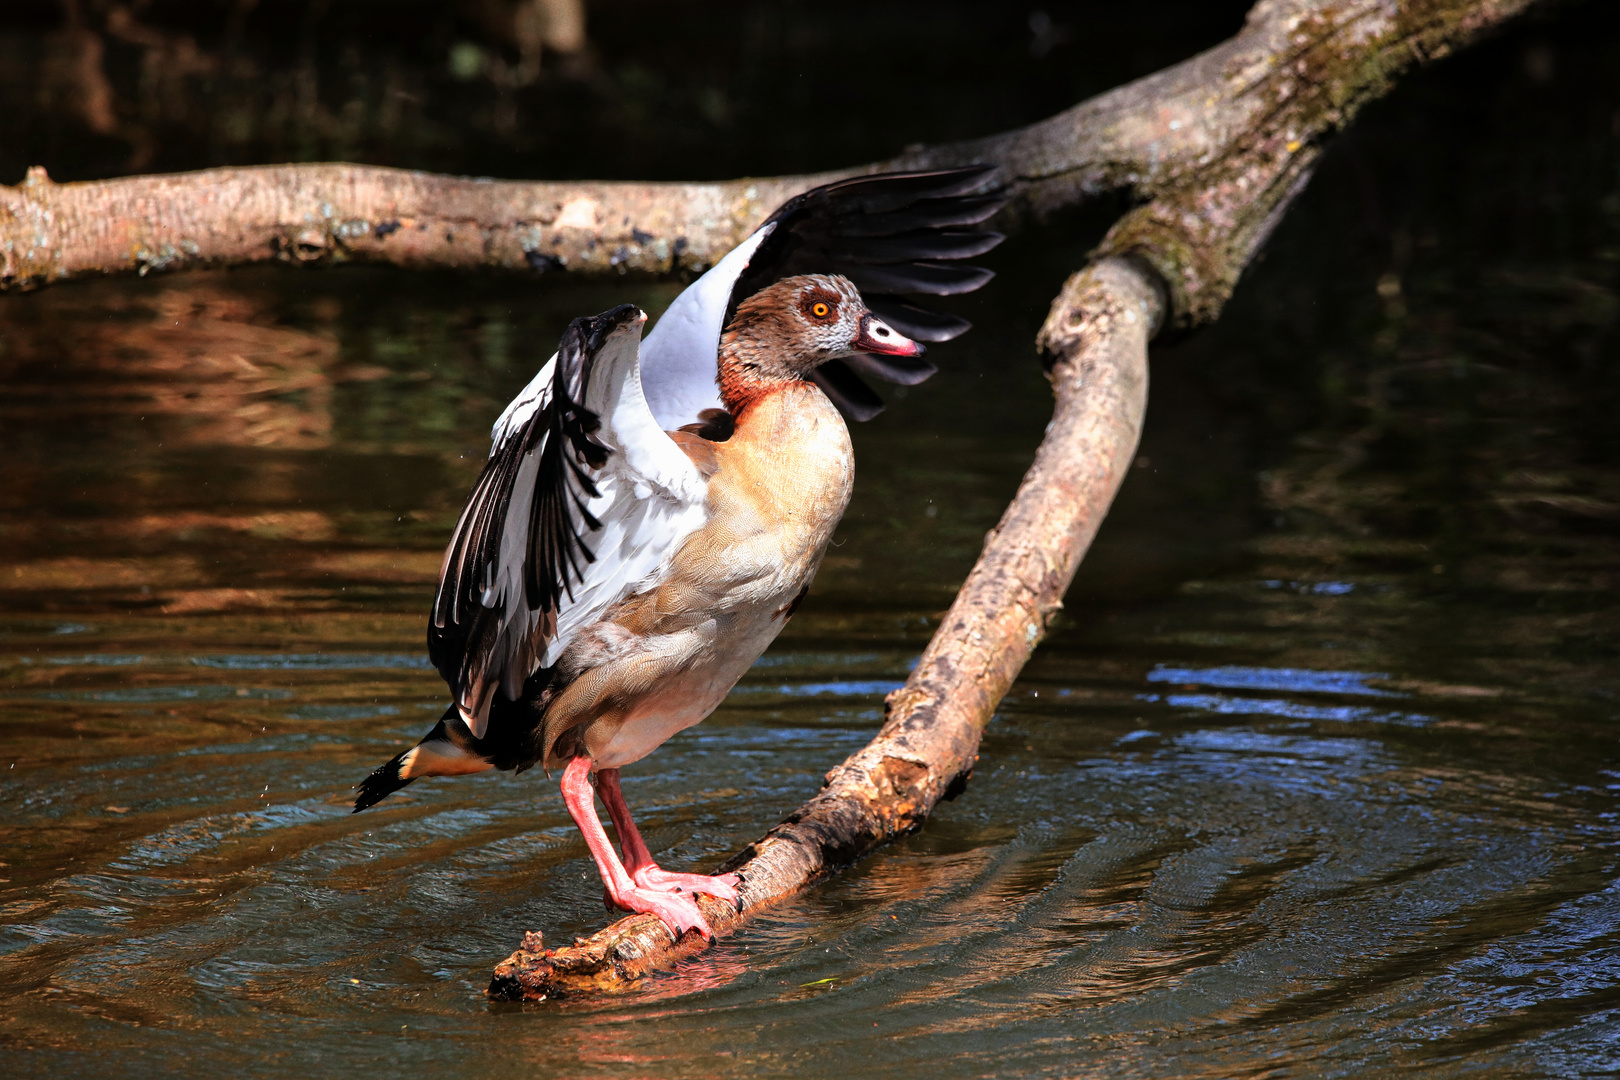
584	498
681	357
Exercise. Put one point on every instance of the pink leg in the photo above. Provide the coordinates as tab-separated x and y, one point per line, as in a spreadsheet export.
678	912
639	861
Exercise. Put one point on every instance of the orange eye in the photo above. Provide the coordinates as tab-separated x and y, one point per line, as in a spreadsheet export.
819	310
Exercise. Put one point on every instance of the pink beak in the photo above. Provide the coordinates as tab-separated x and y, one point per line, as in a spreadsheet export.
876	336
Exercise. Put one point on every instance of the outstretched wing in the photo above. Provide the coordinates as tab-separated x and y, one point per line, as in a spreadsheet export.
894	235
582	500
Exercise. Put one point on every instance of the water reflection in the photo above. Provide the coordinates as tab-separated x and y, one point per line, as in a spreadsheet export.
199	365
1261	678
1221	704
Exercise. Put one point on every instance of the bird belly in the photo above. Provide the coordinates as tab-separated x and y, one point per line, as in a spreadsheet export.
682	700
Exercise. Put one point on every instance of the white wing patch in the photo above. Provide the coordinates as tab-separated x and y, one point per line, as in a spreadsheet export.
680	360
530	400
651	496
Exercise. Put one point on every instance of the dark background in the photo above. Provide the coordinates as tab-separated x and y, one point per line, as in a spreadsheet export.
661	90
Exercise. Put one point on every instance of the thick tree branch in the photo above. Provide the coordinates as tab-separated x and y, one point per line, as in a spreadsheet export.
1216	143
310	213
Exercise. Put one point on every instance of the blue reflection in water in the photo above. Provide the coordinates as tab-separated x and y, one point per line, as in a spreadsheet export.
1298	747
97	660
1240	706
1264	678
1320	588
852	688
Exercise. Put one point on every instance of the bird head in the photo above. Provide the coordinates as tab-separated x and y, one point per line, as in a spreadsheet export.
790	328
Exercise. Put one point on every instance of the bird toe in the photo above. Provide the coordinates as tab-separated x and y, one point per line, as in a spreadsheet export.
679	913
721	887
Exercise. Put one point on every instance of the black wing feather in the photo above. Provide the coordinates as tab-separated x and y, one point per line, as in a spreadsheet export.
917	277
892	234
918	323
463	633
905	370
846	390
887	192
916	244
930	214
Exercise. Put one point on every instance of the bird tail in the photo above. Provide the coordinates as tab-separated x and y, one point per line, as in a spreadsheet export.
435	755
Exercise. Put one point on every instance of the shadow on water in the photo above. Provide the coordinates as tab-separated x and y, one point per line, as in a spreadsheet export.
1317	777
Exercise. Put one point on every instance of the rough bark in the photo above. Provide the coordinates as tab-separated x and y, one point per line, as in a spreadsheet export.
337	212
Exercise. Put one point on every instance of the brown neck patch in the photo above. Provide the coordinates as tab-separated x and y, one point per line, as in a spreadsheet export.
764	347
743	383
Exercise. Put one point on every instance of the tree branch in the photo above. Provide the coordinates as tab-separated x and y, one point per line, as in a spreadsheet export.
1216	143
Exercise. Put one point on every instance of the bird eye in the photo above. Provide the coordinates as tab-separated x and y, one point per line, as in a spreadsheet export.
819	310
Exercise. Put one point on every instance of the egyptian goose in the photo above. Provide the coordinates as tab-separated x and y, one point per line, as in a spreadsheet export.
652	512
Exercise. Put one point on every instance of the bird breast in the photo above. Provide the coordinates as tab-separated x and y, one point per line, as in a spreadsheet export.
781	484
785	478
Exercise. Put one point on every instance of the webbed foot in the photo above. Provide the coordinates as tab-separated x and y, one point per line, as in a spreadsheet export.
678	910
723	887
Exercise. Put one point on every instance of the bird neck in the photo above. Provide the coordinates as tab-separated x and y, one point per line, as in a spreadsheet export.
750	371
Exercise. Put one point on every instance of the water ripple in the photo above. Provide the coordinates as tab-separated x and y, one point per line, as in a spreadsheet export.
1223	705
1263	678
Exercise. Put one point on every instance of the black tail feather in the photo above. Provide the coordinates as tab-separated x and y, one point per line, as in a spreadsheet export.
383	782
385	779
